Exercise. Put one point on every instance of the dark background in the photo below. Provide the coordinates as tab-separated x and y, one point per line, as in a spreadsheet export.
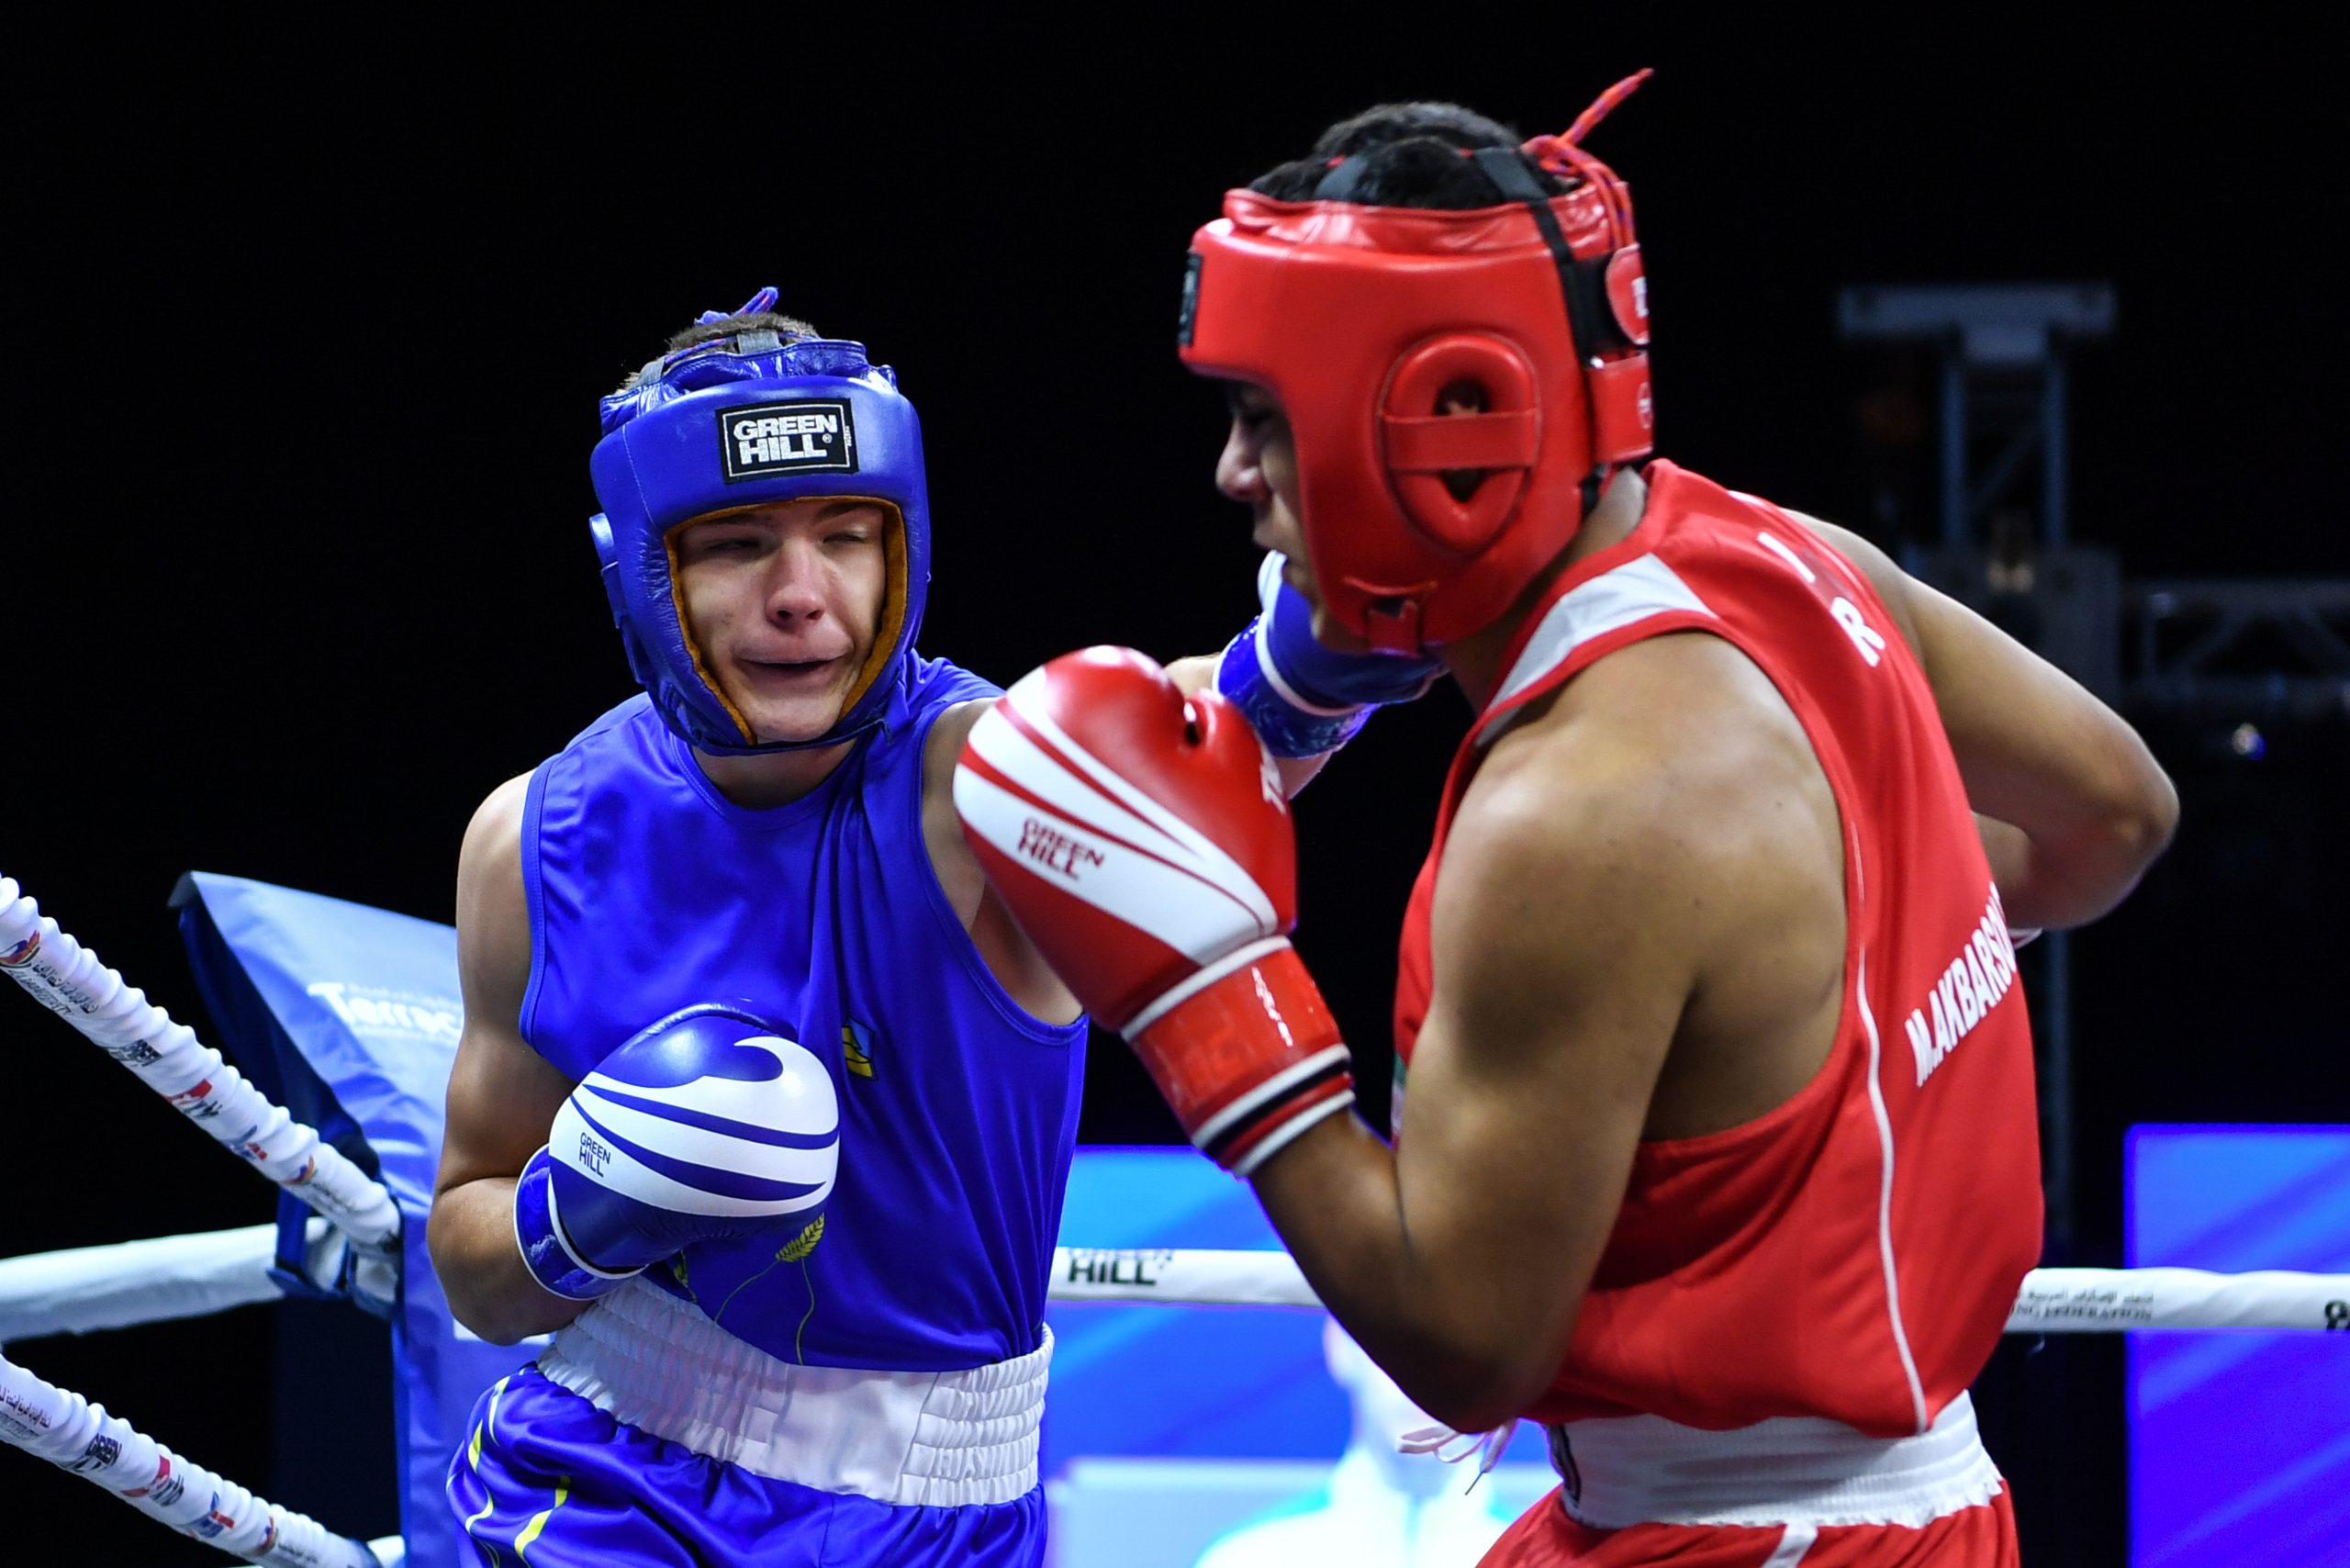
304	352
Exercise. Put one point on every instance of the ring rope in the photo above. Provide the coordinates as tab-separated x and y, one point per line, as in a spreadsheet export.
69	980
106	1450
83	1289
2053	1301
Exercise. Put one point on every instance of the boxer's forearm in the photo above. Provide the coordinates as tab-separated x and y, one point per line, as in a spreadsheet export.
1468	1339
480	1267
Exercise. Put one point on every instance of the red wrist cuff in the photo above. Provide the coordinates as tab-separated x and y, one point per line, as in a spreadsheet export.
1248	1054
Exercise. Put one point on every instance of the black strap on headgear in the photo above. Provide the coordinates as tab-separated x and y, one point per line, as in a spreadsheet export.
1583	284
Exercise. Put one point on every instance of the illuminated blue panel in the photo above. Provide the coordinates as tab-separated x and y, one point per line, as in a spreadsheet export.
2238	1450
1227	1382
1167	1429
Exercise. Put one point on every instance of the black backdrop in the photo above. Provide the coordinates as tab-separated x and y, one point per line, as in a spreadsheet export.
305	345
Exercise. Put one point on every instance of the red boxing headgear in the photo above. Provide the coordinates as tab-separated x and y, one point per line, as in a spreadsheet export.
1360	317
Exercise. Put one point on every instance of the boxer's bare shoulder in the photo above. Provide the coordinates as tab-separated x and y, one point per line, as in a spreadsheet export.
1010	957
950	857
1664	814
493	918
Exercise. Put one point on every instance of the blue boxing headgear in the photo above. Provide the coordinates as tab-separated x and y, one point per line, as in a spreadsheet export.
744	422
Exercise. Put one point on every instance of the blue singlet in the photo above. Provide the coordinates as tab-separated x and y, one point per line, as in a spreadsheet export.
649	891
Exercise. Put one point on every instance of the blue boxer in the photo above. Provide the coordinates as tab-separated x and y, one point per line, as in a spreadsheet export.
782	1142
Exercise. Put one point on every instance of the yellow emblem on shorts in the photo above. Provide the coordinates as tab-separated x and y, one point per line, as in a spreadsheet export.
856	1047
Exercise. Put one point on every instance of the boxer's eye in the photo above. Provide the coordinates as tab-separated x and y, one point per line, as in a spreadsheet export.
1250	412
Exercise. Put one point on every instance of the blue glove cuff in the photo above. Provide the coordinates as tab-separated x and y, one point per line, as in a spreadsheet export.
538	1232
1285	722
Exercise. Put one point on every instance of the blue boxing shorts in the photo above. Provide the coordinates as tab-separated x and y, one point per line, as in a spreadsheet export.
763	1461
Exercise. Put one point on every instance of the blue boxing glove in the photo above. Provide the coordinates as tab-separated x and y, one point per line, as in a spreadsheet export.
707	1124
1301	698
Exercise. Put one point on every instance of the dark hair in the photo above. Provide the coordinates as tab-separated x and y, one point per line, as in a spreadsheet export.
790	329
1411	157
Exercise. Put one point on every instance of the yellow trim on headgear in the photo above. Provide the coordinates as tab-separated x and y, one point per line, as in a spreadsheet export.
686	627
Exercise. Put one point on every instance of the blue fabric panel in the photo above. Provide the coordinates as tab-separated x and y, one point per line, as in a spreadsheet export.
350	1015
2238	1450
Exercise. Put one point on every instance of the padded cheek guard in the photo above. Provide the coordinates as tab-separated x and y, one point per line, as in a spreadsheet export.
1360	318
746	421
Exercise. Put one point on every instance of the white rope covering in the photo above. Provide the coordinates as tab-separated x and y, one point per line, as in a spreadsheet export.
76	1435
84	1288
87	1288
68	978
2054	1301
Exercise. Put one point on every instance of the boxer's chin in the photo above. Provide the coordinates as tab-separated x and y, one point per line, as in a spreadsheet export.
788	704
794	720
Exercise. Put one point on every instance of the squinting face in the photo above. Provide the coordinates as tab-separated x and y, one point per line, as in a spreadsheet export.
1259	466
783	603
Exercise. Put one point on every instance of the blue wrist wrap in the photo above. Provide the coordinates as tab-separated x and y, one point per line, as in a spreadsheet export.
538	1232
1301	698
1289	725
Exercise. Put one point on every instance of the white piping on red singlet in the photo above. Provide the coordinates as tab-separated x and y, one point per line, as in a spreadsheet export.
1885	1200
1616	599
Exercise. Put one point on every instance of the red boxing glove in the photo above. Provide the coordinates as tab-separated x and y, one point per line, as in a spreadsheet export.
1143	842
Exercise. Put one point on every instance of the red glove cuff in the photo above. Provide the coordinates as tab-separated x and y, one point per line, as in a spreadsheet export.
1246	1053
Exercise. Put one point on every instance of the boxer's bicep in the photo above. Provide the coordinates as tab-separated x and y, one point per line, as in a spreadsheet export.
1563	952
502	1093
1002	947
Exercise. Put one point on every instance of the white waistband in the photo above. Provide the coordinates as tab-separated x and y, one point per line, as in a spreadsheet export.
937	1438
1797	1470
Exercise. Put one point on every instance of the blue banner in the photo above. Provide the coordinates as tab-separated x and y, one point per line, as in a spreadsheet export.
349	1017
2238	1450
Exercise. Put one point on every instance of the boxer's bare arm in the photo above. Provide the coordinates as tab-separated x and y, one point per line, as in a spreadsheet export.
1009	955
502	1094
1613	858
2088	807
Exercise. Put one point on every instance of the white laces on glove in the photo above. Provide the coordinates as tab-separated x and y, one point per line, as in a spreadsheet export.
1486	1446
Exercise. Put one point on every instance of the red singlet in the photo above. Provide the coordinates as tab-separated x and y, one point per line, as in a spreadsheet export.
1853	1254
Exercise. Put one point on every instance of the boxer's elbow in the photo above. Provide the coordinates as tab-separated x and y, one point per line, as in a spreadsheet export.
480	1269
2124	838
2144	830
1477	1397
1478	1376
